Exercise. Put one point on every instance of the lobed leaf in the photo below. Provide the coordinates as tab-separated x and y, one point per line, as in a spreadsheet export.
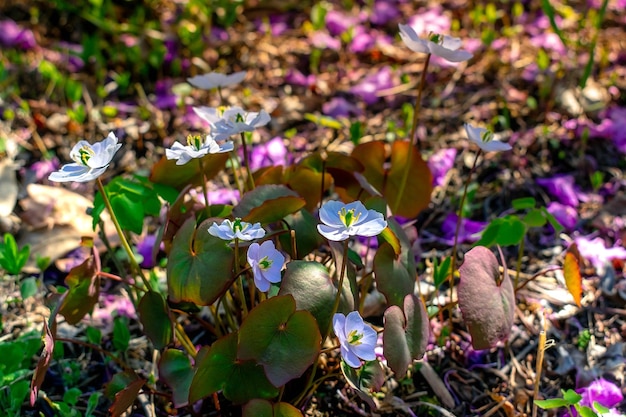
268	204
486	301
176	371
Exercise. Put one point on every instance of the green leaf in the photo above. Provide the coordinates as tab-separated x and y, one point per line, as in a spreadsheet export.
524	203
535	218
200	266
369	377
264	408
571	396
551	403
441	272
176	371
218	368
129	213
307	238
84	288
395	274
121	333
94	335
155	318
28	287
558	227
268	204
71	396
285	341
406	334
504	231
310	285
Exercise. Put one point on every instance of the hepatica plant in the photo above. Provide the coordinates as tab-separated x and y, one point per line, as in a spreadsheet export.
276	276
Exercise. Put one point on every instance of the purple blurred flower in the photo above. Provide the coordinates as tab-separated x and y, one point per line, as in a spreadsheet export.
111	306
362	40
440	163
338	22
323	40
340	107
219	34
612	126
562	187
597	253
271	153
145	248
171	48
370	85
41	169
165	99
277	25
468	232
604	392
13	35
566	215
295	77
549	41
384	11
430	20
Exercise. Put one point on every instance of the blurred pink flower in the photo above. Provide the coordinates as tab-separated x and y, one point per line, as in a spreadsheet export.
562	187
13	35
440	163
338	22
371	84
430	20
549	41
595	251
383	11
323	40
340	107
602	391
272	153
295	77
566	215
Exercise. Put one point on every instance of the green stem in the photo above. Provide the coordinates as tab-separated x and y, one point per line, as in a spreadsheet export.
458	224
412	138
518	267
235	164
204	187
344	264
129	252
239	283
246	162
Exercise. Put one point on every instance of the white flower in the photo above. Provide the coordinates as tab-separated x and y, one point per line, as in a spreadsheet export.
90	160
446	47
356	339
212	80
484	139
266	262
237	230
196	148
228	121
340	221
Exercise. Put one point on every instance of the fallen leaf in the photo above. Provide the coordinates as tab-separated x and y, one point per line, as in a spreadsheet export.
571	272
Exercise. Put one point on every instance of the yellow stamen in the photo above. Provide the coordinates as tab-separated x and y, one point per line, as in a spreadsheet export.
265	263
347	216
354	338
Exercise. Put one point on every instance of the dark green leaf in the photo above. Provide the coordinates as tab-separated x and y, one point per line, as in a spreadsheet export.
155	318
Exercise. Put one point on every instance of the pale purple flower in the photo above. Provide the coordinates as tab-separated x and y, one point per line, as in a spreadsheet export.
362	40
357	340
440	163
443	46
238	229
601	391
469	230
13	35
165	98
432	20
612	126
90	160
337	22
213	80
272	153
340	221
370	85
146	249
295	77
228	121
485	139
41	169
340	107
266	262
567	216
196	148
596	252
383	11
562	187
549	41
323	40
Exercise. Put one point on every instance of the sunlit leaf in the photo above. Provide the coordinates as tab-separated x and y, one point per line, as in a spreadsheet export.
199	268
176	371
217	368
268	204
125	398
283	340
571	273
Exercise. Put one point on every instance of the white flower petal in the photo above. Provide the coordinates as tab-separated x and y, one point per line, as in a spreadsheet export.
214	80
333	233
476	134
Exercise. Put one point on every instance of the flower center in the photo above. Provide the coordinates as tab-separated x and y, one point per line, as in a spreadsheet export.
84	154
195	141
238	227
265	263
436	38
354	338
348	217
487	136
